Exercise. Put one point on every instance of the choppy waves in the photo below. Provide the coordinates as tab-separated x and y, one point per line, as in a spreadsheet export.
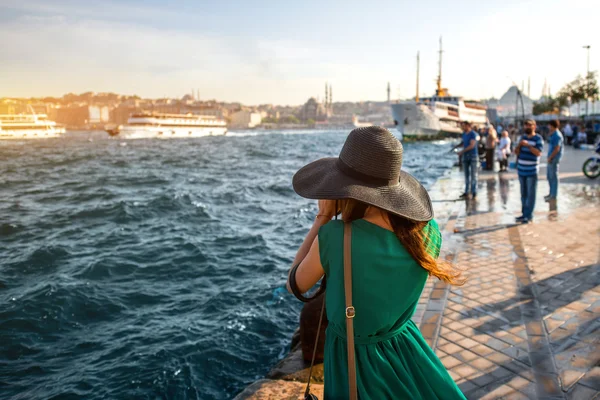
153	270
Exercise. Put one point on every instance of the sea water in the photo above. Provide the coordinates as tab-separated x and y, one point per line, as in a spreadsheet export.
155	268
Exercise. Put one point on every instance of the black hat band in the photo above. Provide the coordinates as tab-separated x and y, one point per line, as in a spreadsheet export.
369	179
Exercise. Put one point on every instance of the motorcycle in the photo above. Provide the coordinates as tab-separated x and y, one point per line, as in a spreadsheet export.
591	166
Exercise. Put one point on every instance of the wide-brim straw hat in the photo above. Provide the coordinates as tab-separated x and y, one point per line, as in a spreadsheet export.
369	169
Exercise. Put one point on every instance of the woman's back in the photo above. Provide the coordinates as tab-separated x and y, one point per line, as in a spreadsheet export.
386	280
393	361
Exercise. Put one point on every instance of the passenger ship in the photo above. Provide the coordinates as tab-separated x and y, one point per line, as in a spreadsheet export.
29	126
437	115
156	125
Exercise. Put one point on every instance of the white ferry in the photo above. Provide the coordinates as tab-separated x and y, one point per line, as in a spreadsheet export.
437	115
156	125
29	126
440	114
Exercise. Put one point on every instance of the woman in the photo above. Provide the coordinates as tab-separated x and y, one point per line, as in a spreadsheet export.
490	147
395	245
503	151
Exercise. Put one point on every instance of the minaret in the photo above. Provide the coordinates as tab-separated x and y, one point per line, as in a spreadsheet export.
545	88
326	99
388	93
417	95
330	98
529	87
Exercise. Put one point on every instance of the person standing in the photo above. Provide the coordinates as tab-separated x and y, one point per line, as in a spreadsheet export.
568	134
503	151
528	153
555	152
470	160
394	242
490	147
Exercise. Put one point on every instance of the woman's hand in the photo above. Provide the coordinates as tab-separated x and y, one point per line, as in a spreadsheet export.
326	210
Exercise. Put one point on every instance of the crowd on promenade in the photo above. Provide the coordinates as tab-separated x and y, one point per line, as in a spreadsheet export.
486	145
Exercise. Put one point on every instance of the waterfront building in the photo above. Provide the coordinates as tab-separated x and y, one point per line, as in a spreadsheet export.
507	104
244	119
83	116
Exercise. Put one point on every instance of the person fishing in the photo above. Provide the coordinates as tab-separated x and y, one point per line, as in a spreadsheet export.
392	244
470	160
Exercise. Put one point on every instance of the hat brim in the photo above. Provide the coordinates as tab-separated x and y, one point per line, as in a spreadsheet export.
323	180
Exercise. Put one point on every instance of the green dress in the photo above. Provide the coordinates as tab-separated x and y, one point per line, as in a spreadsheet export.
393	361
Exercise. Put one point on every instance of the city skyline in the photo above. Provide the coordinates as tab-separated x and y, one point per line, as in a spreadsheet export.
270	53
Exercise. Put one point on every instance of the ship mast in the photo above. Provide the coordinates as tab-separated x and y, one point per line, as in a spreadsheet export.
440	91
417	96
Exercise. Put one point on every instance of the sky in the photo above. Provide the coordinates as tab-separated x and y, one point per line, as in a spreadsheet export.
283	52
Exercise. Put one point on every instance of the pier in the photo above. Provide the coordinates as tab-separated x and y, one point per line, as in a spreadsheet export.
526	325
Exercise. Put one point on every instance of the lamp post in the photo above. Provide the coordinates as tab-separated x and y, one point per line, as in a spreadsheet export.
587	100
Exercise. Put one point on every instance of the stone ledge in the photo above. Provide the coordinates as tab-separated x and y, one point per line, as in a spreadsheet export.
267	389
294	368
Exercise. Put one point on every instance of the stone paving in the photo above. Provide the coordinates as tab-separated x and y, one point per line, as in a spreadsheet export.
526	325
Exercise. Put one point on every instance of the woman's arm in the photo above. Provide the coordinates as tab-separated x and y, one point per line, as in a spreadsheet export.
310	269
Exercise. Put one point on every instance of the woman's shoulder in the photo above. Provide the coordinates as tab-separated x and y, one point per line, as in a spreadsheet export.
332	227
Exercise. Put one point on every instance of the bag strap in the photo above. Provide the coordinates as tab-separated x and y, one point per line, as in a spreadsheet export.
307	394
350	311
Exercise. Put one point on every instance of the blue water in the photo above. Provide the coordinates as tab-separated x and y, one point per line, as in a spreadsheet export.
154	269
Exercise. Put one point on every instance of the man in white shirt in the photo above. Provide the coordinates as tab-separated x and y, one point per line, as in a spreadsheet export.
568	131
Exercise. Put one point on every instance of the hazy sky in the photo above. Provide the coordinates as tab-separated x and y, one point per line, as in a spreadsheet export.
284	51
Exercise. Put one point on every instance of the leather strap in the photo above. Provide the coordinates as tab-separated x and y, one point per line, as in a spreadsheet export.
307	394
350	312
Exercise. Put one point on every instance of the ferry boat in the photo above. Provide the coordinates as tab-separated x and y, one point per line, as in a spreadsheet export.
358	124
436	115
29	126
156	125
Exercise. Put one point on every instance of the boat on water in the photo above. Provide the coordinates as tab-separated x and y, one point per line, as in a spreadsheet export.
359	124
438	115
29	126
157	125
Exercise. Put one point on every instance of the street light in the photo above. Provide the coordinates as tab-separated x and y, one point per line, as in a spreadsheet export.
587	102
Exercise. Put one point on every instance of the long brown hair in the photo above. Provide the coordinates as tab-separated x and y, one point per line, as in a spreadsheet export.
413	237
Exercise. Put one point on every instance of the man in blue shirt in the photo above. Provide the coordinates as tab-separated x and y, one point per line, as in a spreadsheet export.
528	152
470	160
555	152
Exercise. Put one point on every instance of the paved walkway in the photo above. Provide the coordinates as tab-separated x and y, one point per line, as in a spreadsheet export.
526	325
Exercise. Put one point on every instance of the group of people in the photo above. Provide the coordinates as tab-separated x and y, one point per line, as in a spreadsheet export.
528	151
576	135
492	145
